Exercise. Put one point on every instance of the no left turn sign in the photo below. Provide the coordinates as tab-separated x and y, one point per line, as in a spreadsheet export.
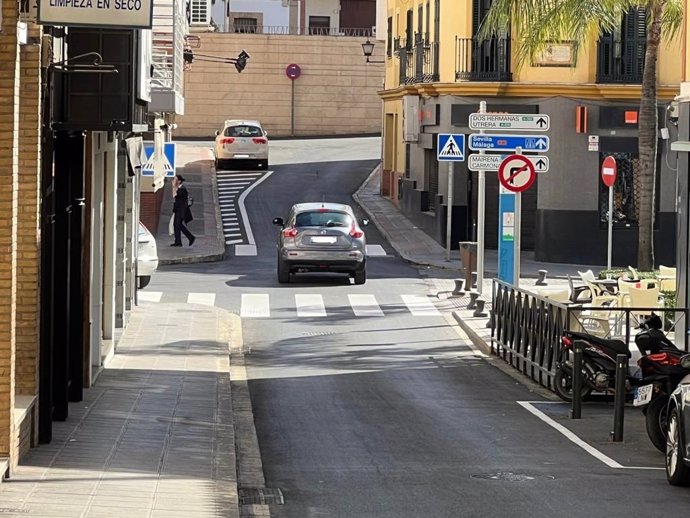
516	173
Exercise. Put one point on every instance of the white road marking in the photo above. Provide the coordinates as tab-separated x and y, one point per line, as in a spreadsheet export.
528	405
310	305
249	250
255	305
233	241
420	306
149	296
206	299
243	209
365	306
375	251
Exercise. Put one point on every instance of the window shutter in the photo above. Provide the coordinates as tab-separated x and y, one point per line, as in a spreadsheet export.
200	12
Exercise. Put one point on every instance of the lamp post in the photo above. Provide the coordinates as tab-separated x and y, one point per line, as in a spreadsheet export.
368	49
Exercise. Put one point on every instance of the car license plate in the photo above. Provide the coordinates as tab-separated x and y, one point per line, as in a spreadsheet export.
643	395
241	156
323	239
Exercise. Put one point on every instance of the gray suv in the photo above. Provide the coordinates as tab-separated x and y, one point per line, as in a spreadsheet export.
321	237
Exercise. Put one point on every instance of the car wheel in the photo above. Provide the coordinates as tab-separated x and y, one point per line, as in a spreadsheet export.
563	385
655	422
360	277
677	473
283	272
144	281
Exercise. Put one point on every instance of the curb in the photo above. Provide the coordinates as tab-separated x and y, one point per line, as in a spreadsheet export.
193	259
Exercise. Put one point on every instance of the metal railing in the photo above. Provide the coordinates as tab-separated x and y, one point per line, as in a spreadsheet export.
168	32
360	32
426	62
487	60
620	61
407	75
526	328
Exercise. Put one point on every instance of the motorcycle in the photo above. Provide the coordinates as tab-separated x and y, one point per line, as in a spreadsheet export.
662	372
599	360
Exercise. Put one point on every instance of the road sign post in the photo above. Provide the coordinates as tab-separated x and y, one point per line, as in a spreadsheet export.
609	173
481	212
451	148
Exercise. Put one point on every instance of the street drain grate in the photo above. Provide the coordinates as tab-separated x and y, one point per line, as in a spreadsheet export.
512	477
260	496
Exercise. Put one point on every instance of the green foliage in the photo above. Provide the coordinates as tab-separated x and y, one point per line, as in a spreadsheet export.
669	302
614	273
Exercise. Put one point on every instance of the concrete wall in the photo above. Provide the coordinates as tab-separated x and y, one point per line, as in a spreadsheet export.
335	95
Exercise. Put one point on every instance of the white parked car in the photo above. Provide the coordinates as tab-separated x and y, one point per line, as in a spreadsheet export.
147	256
241	142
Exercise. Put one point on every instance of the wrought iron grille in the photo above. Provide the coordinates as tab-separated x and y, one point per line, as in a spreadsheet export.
487	60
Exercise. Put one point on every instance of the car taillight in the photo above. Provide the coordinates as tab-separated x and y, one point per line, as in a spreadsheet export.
355	232
567	342
290	232
259	140
227	140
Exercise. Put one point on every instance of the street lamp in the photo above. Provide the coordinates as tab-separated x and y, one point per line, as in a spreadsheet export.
368	49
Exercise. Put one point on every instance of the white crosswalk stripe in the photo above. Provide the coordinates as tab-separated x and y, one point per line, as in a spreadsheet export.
420	306
255	305
375	251
149	296
310	305
365	306
206	299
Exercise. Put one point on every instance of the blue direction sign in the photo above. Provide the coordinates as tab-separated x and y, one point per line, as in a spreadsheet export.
479	142
169	156
451	147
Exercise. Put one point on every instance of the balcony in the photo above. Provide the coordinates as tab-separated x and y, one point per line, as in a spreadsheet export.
419	63
487	60
253	28
620	61
168	34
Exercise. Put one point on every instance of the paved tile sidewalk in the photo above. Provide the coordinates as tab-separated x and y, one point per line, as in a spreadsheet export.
153	438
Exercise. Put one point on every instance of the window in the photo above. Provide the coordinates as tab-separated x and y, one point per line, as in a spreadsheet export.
243	131
323	219
245	25
319	25
389	42
408	30
200	12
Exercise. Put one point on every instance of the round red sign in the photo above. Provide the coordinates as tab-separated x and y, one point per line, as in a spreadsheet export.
516	173
609	171
293	71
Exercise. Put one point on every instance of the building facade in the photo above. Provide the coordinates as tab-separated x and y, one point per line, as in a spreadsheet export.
438	72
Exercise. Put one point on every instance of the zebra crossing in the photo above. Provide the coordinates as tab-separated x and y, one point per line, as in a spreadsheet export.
231	185
305	305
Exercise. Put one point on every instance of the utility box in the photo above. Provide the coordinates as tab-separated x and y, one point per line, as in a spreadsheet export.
468	257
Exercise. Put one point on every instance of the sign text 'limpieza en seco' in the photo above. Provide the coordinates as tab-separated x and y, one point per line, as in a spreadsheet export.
96	13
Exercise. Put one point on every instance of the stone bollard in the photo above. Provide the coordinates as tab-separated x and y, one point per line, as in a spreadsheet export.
474	295
490	322
479	311
541	281
474	280
459	290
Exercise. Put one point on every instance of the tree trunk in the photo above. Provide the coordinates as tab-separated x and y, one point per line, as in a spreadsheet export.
648	141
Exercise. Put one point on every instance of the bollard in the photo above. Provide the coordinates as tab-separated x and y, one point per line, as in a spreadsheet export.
459	290
479	310
576	410
474	279
541	281
490	322
473	299
619	399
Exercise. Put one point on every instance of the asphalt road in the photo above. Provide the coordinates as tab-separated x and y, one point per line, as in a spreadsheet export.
393	415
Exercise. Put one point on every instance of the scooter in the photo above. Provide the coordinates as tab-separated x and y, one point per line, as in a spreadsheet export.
599	359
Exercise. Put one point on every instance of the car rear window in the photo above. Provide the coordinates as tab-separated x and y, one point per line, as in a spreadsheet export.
243	131
323	219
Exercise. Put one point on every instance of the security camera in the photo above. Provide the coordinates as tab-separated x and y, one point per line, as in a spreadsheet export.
673	112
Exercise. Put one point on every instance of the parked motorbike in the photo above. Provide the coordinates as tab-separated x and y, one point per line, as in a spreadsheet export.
662	372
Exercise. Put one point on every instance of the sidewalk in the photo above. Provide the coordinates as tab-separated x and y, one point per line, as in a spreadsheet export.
196	165
153	438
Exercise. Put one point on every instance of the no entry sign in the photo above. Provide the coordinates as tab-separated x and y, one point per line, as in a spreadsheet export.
293	71
516	173
609	171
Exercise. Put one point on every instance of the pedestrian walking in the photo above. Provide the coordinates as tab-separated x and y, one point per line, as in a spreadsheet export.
181	212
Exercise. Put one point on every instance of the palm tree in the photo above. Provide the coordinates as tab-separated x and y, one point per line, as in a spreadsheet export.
535	23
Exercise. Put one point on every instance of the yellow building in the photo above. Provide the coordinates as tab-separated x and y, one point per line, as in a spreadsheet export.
437	73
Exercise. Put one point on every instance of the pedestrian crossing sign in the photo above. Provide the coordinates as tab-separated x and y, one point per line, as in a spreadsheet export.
169	156
451	147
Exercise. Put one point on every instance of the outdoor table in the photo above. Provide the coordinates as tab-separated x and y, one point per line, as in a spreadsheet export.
610	285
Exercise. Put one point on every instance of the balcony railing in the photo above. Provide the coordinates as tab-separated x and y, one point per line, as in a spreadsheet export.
418	64
620	61
487	60
407	75
168	33
359	32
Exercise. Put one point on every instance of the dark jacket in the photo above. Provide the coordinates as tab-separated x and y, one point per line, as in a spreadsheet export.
181	205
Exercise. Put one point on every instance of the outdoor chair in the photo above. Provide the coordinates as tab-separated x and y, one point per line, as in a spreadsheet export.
667	278
579	294
624	292
587	276
633	272
597	321
561	296
643	298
